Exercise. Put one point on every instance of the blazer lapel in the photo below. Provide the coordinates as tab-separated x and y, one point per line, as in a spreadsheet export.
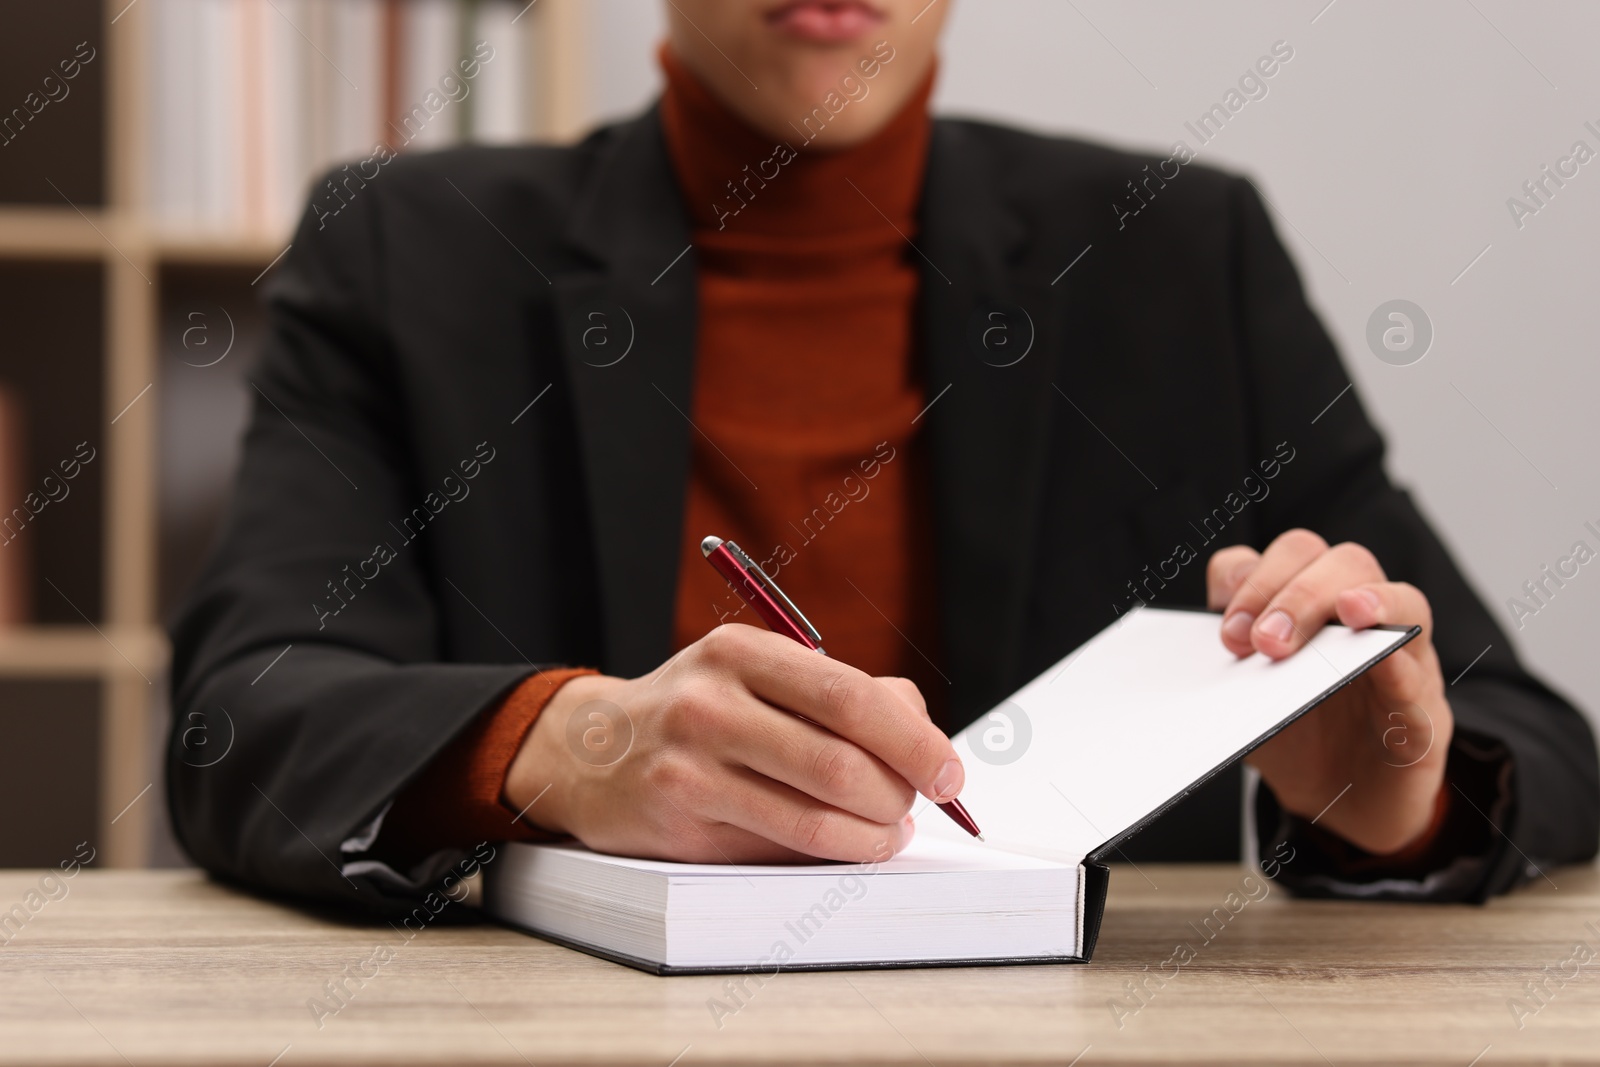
627	333
990	341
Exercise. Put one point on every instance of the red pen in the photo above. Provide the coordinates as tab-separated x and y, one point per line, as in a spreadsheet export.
781	616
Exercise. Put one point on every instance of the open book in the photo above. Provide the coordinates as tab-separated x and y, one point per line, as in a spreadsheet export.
1075	762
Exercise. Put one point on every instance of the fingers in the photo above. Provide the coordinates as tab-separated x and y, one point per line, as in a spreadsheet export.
792	820
818	763
842	700
1286	557
1226	571
1292	592
1379	603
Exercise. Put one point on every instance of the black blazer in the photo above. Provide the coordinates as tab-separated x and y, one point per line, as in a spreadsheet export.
409	537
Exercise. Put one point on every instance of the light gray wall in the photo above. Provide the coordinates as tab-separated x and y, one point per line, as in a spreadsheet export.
1388	146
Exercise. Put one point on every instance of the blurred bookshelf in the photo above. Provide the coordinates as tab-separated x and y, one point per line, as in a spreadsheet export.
130	320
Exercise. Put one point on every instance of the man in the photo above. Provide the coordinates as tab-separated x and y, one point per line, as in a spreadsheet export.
506	393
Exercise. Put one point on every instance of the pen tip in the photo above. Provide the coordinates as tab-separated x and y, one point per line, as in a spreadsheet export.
709	545
980	837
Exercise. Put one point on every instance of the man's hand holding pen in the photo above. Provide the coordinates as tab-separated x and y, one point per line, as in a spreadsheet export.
747	748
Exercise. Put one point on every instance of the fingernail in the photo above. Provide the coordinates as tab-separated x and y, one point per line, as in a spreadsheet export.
1236	627
1277	626
949	782
1370	599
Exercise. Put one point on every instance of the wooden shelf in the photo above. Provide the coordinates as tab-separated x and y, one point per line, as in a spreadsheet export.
52	233
95	233
245	250
82	651
129	652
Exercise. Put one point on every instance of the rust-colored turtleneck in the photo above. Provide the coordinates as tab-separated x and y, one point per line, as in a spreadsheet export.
806	395
806	407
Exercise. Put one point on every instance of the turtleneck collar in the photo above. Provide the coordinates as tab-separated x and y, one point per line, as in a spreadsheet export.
740	182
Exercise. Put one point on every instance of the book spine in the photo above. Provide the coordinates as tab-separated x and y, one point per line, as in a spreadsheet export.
431	34
320	78
499	114
466	26
357	86
394	48
286	117
250	144
15	549
181	82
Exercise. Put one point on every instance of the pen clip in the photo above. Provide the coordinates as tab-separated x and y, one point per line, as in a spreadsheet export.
772	587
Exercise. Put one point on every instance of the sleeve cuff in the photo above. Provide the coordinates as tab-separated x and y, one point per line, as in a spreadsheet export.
456	801
1452	860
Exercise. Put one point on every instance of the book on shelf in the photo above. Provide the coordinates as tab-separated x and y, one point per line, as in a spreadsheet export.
251	100
1058	776
15	589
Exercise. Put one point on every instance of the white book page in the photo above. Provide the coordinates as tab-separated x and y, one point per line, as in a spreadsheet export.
1112	732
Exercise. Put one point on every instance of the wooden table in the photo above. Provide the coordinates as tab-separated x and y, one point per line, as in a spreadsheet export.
167	967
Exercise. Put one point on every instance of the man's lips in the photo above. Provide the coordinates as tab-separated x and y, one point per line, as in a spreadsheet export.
825	21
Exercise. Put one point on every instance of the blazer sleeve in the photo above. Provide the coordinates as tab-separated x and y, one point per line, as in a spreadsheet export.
293	729
459	801
1523	759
